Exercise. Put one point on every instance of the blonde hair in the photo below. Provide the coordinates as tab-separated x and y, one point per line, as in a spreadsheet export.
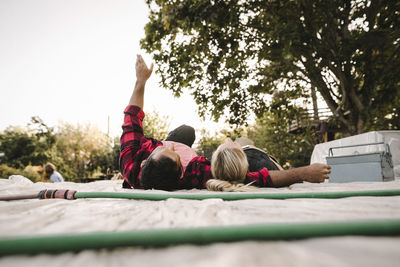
229	164
219	185
229	167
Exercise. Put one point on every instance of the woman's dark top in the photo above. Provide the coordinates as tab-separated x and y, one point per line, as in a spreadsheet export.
258	160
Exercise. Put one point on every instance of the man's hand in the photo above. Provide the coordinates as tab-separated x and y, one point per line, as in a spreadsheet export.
142	71
315	173
142	74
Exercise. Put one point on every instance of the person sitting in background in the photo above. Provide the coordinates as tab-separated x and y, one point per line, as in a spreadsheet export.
236	165
52	174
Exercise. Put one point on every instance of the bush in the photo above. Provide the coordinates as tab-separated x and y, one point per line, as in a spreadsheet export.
32	173
6	171
208	143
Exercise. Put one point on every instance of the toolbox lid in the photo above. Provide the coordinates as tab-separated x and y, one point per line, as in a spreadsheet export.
357	158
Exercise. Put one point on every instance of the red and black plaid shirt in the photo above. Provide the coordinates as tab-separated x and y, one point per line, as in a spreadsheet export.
135	148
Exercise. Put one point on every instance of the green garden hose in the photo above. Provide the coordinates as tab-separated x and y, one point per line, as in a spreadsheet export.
71	194
200	236
237	196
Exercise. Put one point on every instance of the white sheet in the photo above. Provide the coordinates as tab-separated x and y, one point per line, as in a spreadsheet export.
39	217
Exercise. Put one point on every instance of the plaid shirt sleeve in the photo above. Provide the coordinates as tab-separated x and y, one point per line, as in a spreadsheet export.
259	179
134	146
197	173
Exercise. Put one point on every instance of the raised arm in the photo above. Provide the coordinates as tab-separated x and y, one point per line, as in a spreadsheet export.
142	75
132	152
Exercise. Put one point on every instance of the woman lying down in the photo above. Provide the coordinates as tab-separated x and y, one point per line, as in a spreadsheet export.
235	167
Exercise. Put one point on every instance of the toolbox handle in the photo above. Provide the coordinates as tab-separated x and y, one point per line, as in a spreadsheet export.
387	149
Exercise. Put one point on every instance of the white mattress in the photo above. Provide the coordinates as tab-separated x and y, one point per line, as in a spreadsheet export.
58	216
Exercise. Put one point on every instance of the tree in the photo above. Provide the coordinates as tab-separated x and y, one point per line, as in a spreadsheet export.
291	150
22	147
83	148
232	55
208	143
155	125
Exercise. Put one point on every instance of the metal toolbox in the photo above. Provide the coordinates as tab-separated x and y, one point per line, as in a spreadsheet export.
366	167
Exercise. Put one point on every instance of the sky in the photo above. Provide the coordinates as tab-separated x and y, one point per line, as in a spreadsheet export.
74	61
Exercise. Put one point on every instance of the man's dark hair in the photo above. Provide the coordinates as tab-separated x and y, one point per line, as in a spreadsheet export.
162	174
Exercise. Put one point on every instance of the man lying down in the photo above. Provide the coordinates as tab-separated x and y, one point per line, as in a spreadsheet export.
148	163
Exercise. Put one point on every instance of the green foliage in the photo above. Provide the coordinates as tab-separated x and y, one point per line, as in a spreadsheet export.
6	171
31	172
29	146
77	151
234	55
82	149
156	126
270	134
115	154
208	143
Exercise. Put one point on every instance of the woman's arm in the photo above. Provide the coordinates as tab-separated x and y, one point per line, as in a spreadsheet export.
315	173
